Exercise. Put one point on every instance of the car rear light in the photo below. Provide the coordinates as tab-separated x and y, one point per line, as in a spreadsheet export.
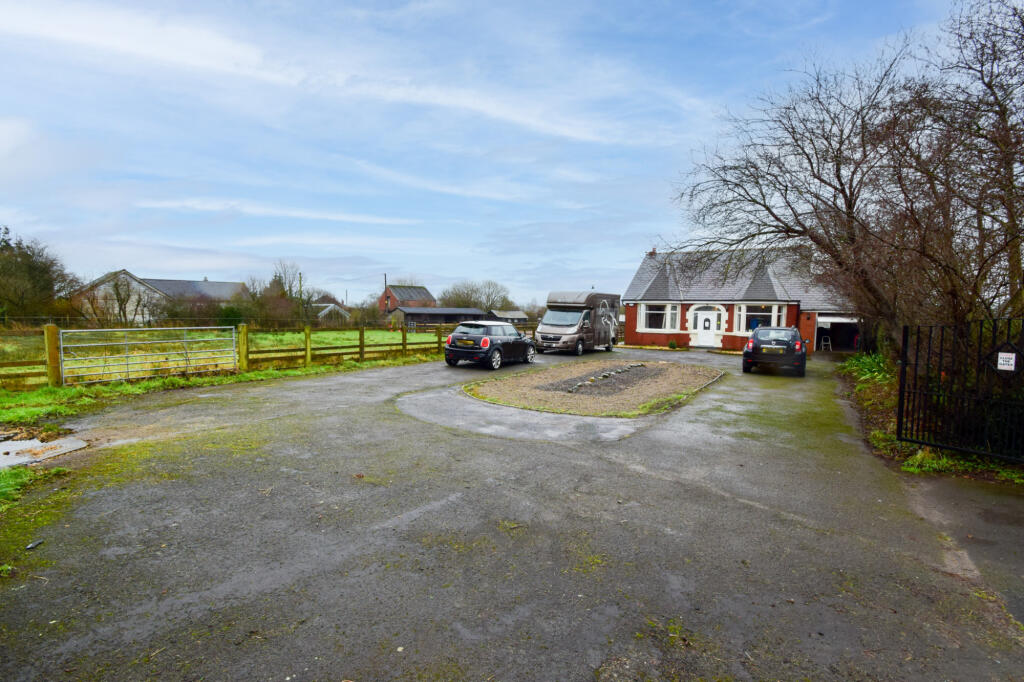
485	342
750	344
449	341
798	346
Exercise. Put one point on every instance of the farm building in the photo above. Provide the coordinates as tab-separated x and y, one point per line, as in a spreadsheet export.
397	296
412	316
676	297
510	316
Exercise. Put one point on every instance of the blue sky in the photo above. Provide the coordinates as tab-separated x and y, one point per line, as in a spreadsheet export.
538	144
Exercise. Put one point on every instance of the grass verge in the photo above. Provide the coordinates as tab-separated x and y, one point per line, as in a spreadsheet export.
18	522
875	389
34	407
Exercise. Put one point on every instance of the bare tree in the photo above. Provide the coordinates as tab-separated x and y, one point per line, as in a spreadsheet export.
289	274
800	173
900	183
486	295
984	90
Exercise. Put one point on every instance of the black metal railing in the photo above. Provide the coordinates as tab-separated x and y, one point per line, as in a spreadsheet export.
962	388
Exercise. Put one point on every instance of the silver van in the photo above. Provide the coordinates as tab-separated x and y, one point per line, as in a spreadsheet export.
577	321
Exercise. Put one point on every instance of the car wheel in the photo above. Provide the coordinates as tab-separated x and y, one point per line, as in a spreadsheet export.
452	362
579	347
609	346
495	359
747	366
802	369
531	354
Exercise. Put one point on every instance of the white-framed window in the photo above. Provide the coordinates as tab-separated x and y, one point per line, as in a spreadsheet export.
754	315
659	317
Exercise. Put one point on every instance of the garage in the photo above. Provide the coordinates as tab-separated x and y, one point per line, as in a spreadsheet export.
837	333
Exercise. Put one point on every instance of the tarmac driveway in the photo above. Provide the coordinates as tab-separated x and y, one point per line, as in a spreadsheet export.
381	525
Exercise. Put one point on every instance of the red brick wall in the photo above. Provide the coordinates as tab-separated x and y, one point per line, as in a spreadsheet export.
635	338
792	311
629	334
733	342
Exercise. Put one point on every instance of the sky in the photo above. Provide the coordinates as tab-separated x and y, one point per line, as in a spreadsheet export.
538	144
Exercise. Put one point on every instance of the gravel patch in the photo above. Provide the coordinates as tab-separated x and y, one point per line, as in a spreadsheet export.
602	388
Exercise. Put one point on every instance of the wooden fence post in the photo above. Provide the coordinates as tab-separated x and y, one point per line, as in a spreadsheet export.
309	350
51	337
438	330
362	344
405	345
243	348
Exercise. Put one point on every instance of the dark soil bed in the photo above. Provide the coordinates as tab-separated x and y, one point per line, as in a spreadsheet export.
602	388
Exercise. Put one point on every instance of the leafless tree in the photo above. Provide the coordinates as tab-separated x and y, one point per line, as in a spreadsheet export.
800	173
486	295
898	182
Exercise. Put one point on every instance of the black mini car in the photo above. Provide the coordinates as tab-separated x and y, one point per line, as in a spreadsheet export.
489	343
777	346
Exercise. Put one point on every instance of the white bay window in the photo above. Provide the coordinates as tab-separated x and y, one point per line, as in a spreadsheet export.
658	317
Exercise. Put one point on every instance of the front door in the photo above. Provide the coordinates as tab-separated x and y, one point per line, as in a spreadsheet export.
706	328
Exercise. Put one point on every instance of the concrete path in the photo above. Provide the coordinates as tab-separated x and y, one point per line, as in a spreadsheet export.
365	526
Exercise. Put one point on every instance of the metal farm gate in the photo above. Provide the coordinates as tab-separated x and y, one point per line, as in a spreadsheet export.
90	356
962	388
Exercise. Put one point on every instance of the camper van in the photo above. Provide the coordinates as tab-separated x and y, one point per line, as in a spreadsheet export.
577	321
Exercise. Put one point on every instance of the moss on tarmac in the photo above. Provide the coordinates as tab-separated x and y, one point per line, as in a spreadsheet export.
311	529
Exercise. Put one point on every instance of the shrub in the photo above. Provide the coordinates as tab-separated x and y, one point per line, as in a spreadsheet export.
873	367
672	344
229	316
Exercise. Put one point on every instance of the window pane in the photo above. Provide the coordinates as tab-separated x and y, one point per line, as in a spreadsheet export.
655	317
673	317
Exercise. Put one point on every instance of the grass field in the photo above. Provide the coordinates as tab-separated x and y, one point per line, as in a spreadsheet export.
42	404
204	346
31	347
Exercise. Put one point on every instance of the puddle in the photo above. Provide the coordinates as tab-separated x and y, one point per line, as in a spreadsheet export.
15	452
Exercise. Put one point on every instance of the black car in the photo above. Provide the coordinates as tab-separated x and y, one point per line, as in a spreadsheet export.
489	343
777	346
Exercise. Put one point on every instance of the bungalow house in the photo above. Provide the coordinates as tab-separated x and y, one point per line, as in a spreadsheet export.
676	297
124	298
396	296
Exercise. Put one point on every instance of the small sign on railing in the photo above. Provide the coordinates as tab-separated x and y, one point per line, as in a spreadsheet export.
1006	362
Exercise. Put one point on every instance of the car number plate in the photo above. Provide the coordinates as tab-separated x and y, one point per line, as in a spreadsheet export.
465	342
772	349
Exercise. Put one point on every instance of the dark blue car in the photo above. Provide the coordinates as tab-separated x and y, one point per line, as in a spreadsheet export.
777	347
491	344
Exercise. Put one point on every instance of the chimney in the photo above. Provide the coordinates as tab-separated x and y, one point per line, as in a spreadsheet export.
206	279
653	252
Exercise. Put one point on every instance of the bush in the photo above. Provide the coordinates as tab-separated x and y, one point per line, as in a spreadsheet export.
873	367
229	316
672	344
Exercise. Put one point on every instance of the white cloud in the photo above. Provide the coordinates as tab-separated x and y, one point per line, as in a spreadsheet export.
361	68
364	243
143	35
266	210
498	188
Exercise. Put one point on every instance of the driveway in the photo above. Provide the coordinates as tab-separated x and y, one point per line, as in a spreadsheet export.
381	525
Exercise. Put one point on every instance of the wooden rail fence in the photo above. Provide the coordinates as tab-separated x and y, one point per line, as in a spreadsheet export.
305	355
